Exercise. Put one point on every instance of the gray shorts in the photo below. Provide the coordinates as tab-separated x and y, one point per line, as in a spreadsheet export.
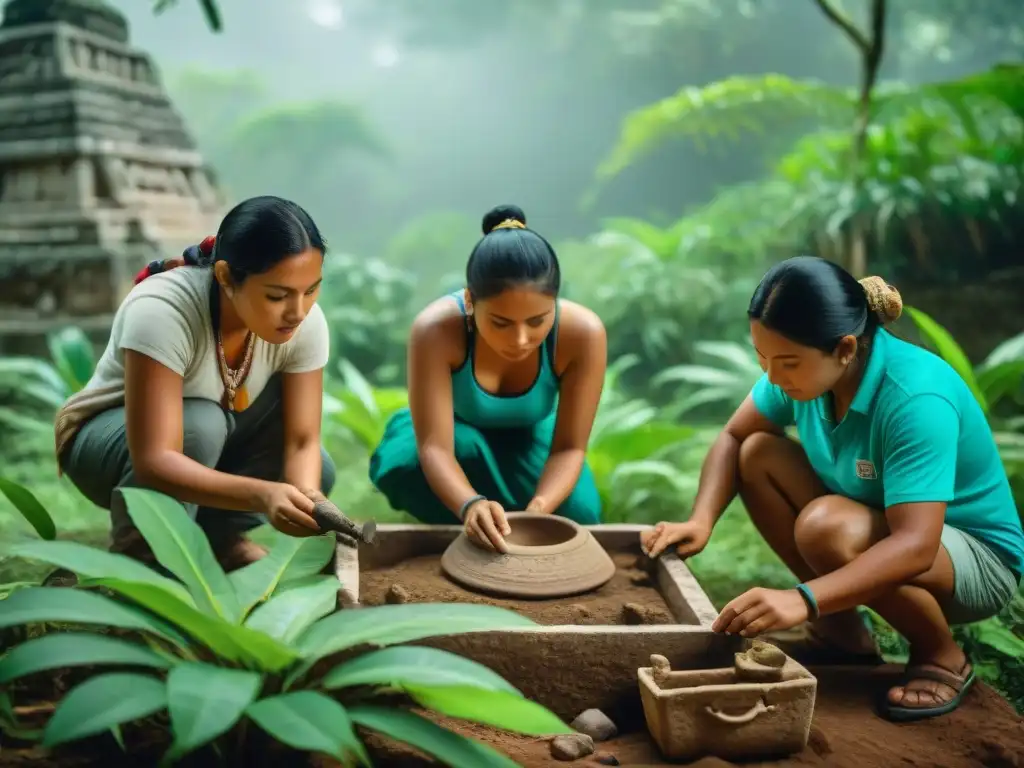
248	444
982	583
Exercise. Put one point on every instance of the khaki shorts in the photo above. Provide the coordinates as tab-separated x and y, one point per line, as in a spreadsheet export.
982	583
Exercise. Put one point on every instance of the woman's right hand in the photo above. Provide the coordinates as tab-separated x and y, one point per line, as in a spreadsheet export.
486	525
691	537
288	509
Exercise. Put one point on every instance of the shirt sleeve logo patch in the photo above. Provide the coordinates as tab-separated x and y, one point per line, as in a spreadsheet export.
866	470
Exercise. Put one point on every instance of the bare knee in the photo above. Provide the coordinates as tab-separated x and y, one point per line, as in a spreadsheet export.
756	454
832	530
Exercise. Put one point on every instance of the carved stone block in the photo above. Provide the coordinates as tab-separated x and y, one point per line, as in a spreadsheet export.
98	173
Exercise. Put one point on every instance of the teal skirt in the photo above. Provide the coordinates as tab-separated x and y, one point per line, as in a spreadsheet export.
504	465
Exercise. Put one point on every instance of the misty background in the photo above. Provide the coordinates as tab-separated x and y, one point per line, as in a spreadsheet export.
454	107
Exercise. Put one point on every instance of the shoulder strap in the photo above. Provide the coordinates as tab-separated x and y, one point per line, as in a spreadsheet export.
468	324
551	342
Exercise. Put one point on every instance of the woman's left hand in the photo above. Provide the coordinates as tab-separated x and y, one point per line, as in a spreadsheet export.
761	610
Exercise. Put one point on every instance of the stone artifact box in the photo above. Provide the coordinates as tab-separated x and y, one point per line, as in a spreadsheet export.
744	712
587	648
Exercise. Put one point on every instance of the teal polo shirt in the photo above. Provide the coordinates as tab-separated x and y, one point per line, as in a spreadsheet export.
914	433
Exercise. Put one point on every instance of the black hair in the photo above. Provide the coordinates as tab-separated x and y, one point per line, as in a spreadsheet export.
816	303
261	232
510	255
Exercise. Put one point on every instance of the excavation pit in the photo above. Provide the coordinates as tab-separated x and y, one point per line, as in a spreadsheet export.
588	647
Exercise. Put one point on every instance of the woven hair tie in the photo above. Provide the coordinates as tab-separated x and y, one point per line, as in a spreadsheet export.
509	224
883	299
193	256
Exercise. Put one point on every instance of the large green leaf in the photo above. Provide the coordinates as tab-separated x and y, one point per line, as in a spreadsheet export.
28	505
1009	350
501	709
231	642
451	749
288	558
75	606
394	624
736	104
410	665
1001	381
205	702
997	635
289	613
75	649
310	721
102	702
755	104
182	547
641	442
72	354
945	346
93	563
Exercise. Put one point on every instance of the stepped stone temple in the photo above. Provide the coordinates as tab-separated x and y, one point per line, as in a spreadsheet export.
98	173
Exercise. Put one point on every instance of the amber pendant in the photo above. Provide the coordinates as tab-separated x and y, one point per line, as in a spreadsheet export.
241	399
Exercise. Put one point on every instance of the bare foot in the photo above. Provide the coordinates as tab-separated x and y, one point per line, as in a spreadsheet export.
238	552
932	682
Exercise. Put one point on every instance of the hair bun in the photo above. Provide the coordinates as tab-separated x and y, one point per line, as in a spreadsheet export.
495	217
883	299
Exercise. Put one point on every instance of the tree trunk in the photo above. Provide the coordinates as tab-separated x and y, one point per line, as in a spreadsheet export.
871	49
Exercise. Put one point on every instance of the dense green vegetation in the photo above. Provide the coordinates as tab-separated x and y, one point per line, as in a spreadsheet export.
922	184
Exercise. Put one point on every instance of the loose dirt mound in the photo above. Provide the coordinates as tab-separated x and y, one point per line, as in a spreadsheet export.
629	598
984	733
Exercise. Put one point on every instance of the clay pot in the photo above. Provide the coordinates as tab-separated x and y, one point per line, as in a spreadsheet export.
548	556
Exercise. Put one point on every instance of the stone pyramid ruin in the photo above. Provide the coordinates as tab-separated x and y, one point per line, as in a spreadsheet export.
98	173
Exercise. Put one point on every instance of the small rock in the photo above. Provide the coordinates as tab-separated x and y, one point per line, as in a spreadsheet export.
606	758
766	654
580	613
595	724
640	579
396	595
634	614
571	746
644	563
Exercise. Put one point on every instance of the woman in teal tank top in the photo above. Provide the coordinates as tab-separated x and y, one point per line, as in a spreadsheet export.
504	383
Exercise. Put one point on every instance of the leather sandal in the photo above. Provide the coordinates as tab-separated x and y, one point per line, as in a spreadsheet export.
960	683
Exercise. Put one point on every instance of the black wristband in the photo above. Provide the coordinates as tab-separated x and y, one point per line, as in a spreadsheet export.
468	503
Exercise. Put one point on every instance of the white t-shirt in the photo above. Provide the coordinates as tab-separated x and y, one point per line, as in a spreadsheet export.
167	318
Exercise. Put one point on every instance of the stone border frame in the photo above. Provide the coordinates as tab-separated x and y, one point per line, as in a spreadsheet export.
543	661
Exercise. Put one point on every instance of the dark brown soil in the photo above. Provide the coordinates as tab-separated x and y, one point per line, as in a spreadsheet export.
420	579
846	733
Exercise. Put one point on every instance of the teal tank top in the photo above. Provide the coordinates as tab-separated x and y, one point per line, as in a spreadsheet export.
476	406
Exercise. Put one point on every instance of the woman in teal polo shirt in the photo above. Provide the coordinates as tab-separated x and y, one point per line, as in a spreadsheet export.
504	383
895	497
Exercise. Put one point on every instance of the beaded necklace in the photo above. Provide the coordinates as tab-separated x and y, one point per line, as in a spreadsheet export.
232	378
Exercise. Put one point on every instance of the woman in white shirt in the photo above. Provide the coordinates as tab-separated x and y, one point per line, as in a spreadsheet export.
210	388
